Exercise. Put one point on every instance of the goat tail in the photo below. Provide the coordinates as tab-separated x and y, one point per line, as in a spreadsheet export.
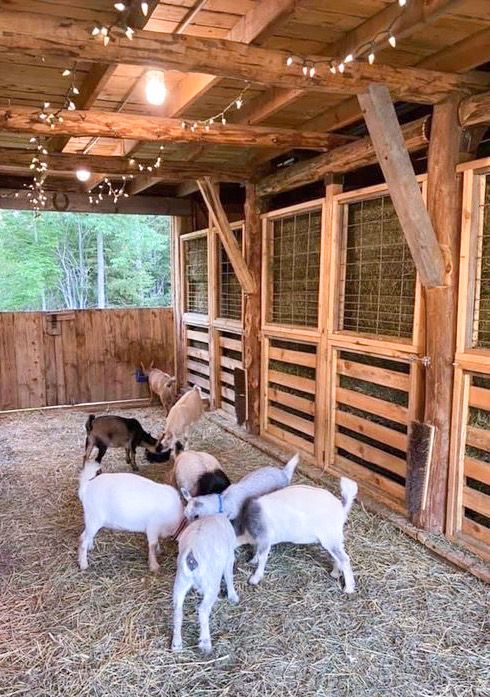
89	471
90	422
290	466
348	489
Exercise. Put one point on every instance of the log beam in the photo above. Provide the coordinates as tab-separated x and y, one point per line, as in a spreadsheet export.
228	240
380	116
475	111
25	34
15	160
346	158
252	308
15	199
157	129
444	195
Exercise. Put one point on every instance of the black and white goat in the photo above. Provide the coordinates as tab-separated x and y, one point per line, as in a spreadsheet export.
302	515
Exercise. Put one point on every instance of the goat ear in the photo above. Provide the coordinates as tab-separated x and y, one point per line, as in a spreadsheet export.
142	367
185	494
151	365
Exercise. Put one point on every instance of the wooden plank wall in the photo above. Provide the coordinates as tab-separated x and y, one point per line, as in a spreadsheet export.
49	359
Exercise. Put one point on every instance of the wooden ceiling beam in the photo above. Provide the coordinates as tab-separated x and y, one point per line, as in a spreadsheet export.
388	142
211	198
106	124
475	111
465	55
27	34
415	15
16	160
346	158
13	199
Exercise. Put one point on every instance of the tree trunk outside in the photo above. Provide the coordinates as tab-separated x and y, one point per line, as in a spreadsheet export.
100	270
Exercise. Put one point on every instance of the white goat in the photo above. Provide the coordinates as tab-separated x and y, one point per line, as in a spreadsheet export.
198	472
230	502
123	501
206	554
182	416
303	515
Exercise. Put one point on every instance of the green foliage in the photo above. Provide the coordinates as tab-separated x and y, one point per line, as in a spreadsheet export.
50	261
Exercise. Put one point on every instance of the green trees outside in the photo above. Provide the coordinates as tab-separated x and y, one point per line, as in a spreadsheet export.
54	261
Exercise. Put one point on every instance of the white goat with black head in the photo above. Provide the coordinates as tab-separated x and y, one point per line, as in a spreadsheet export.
206	554
230	502
302	515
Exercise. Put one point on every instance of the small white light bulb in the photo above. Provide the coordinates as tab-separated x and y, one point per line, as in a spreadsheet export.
120	6
144	8
66	72
349	58
107	39
392	41
341	67
305	70
239	103
371	58
95	31
312	71
129	33
333	69
402	3
83	174
289	60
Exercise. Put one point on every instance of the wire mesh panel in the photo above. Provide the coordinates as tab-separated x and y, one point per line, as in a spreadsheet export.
476	468
371	419
230	357
378	278
481	316
294	269
229	289
196	274
197	357
291	389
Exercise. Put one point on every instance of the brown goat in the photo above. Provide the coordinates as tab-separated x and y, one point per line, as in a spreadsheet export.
162	385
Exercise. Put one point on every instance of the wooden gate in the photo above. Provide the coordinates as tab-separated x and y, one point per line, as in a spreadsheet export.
50	359
342	364
468	518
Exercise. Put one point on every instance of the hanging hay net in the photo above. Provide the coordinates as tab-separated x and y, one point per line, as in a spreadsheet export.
416	627
196	274
481	313
230	291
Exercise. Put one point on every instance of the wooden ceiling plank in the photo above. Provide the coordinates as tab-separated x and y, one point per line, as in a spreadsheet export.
387	138
475	111
159	129
225	59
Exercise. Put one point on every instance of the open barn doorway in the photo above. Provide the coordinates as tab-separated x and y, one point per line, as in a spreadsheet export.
84	301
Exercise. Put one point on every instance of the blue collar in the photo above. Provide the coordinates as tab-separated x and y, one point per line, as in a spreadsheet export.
220	503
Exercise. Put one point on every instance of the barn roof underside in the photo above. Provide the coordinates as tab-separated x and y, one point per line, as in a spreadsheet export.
450	36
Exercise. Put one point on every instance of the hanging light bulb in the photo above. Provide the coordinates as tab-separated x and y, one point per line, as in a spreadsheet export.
107	38
371	58
341	67
95	31
223	120
83	174
155	89
129	33
305	70
120	6
349	58
75	90
289	61
392	41
312	71
239	103
402	3
144	8
66	72
71	105
333	69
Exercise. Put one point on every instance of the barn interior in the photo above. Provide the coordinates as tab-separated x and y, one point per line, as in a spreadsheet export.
326	168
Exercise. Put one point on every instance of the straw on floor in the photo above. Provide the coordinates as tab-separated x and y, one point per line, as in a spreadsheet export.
416	626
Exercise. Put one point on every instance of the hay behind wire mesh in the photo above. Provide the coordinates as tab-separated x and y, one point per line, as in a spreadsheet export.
415	627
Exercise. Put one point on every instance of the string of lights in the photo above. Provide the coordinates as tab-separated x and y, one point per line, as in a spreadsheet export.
106	189
206	124
39	166
121	25
148	168
309	67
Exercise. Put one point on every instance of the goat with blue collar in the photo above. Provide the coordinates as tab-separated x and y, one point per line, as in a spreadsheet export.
230	502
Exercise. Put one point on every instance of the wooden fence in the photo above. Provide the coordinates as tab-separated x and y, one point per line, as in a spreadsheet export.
49	359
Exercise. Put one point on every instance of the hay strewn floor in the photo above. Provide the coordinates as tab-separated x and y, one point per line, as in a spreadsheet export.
415	627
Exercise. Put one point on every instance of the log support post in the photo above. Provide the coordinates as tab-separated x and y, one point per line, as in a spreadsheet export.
444	195
252	308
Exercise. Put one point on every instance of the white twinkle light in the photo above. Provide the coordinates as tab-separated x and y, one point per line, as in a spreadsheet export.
305	70
95	31
106	40
349	58
341	67
402	3
333	69
71	105
312	71
155	89
392	41
239	103
82	174
129	33
371	58
289	60
66	72
120	6
144	8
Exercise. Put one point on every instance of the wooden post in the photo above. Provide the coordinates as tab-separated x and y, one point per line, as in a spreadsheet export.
444	192
178	228
252	308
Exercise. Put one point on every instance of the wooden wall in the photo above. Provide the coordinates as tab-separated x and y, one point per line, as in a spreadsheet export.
49	359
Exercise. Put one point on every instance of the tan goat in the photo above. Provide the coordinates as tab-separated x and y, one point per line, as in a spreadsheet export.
163	386
181	418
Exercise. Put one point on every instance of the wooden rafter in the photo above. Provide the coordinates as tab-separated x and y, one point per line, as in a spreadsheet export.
411	19
346	158
380	116
475	111
15	160
228	239
157	129
24	33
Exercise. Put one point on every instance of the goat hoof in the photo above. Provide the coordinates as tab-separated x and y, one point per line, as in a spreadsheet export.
154	568
234	599
335	573
350	591
176	646
205	647
254	580
83	567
